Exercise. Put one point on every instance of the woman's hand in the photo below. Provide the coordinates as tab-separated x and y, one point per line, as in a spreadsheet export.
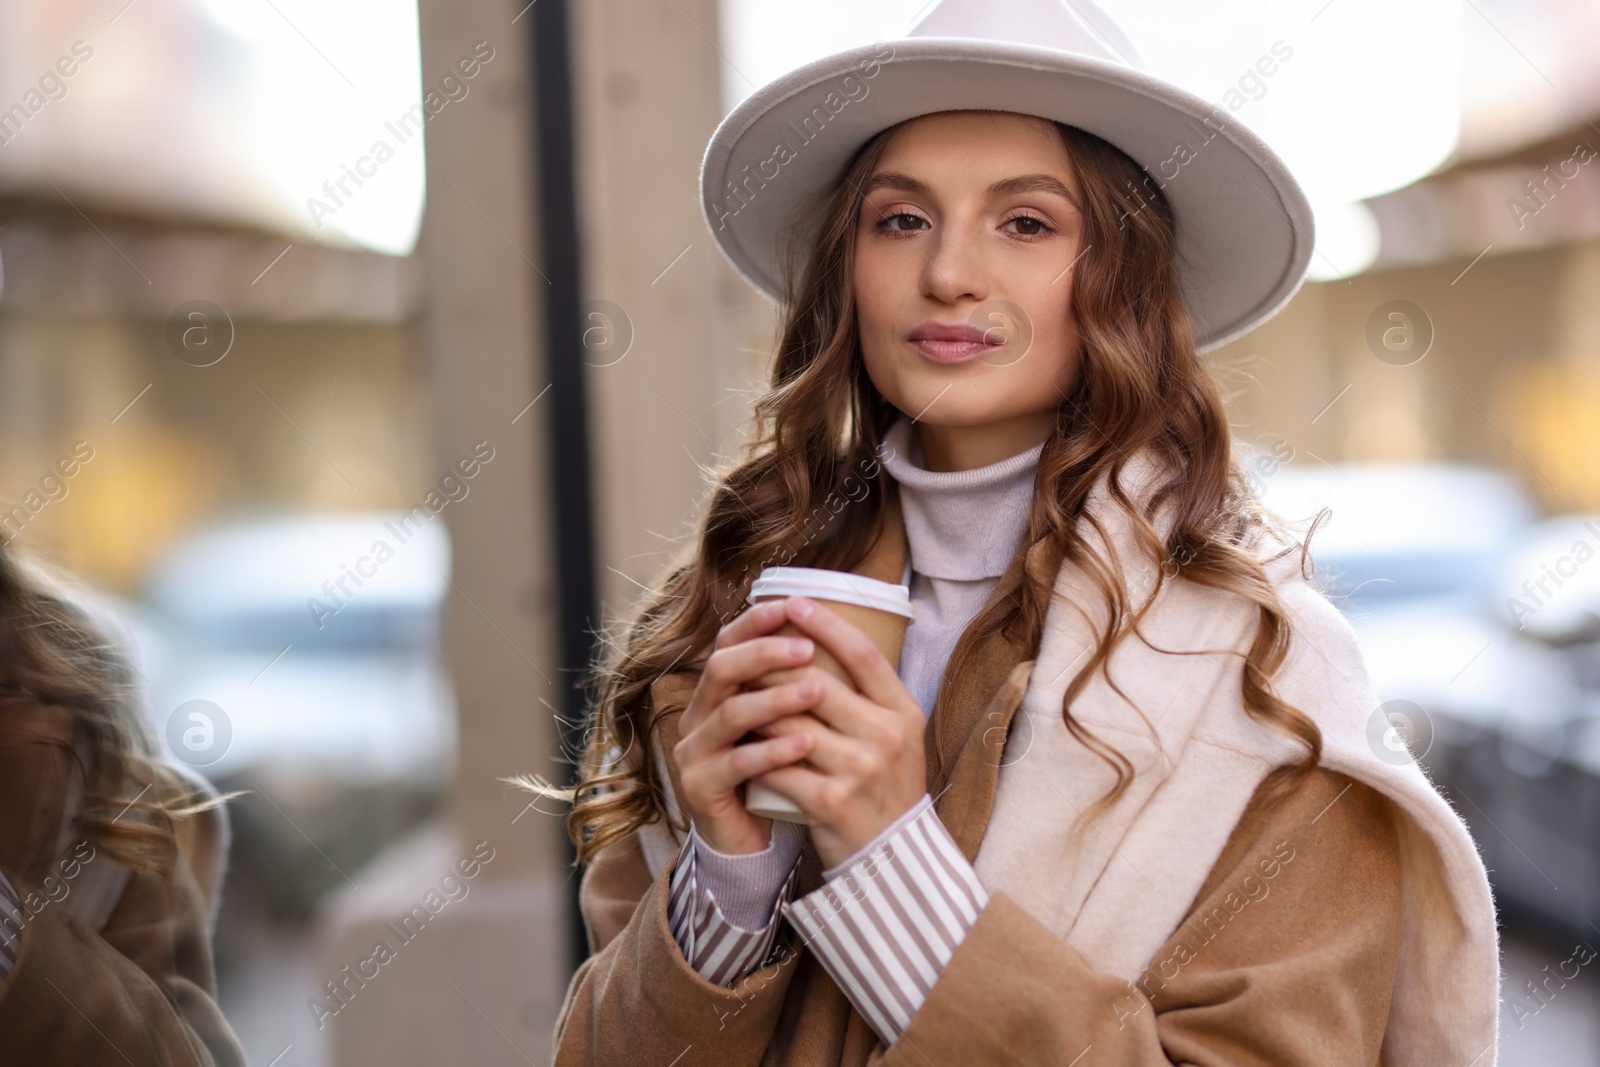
711	763
865	763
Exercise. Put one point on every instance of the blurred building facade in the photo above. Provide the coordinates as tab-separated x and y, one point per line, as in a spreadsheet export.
320	354
1497	360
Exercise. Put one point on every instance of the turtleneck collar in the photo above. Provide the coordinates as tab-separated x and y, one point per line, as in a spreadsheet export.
962	525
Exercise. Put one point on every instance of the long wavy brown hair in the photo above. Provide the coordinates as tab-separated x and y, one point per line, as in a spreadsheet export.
820	421
52	652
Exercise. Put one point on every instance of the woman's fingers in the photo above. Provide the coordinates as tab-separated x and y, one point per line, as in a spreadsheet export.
849	790
847	757
838	706
800	783
754	621
832	752
762	708
726	771
875	677
741	713
731	666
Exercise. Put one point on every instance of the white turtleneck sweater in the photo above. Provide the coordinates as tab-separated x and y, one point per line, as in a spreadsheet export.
963	528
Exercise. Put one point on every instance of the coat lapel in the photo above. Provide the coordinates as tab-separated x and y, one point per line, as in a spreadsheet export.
973	712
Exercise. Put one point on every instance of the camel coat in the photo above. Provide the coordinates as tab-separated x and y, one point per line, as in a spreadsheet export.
114	966
1198	925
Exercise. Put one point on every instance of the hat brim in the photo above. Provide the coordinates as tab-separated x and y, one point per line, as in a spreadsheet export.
1244	227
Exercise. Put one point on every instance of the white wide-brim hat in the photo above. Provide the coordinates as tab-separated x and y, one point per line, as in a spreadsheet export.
1244	228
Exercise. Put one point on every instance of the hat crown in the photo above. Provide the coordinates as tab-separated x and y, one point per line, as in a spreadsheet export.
1077	26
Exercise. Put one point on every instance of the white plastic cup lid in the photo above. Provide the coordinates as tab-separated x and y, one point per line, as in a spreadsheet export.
840	586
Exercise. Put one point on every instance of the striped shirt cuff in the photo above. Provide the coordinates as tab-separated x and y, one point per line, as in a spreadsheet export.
718	949
885	922
11	919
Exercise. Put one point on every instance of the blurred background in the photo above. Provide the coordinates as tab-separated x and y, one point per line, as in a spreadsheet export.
384	342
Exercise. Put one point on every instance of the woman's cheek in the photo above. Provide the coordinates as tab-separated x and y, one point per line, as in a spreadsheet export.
871	281
875	306
1054	336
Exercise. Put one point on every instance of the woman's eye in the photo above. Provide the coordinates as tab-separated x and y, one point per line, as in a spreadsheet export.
901	222
1027	225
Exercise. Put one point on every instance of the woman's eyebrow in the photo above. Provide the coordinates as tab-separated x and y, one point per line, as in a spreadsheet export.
902	183
1032	183
1023	183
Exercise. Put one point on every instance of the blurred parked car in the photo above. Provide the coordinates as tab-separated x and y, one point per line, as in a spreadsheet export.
1411	553
1405	531
1549	585
1548	590
298	658
1418	557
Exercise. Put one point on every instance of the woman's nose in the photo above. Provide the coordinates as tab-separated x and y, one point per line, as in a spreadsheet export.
955	270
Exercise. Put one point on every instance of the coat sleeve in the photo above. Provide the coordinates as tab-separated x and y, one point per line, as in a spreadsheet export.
140	991
636	1000
1286	958
164	926
142	988
75	998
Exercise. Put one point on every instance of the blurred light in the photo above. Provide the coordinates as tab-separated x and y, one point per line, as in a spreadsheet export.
1549	586
1530	70
1347	241
221	110
246	20
765	39
1367	101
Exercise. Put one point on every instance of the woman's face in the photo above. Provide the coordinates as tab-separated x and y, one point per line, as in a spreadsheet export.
963	281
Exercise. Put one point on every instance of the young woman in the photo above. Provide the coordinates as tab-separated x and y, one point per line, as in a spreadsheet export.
110	860
1120	802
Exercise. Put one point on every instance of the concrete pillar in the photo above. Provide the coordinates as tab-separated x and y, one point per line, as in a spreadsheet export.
648	88
674	339
477	975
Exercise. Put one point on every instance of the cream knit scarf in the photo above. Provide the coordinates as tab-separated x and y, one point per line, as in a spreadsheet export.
1147	857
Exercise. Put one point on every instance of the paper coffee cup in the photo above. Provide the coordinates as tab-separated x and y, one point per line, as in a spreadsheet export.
882	610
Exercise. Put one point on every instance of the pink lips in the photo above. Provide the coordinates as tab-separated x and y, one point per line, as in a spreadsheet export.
951	342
